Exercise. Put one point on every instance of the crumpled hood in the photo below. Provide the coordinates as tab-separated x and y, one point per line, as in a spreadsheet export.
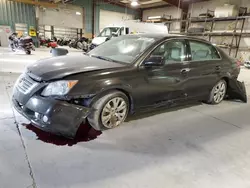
99	40
59	67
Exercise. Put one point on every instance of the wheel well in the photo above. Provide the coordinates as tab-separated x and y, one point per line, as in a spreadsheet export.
226	79
130	99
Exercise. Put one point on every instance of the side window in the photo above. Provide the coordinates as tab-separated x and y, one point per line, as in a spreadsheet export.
202	51
172	52
127	30
121	31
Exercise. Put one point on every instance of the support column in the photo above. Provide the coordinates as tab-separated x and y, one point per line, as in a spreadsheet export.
37	44
93	17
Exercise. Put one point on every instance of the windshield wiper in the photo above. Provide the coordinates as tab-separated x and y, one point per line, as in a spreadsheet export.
103	58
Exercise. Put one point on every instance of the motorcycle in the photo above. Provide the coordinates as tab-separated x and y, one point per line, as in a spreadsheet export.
23	43
63	42
81	44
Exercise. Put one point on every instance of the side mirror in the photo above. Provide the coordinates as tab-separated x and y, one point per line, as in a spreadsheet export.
154	61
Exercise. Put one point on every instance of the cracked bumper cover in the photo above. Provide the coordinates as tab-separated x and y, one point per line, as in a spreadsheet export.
237	90
63	118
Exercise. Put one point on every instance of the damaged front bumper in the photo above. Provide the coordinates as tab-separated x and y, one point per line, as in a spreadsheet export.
236	90
51	115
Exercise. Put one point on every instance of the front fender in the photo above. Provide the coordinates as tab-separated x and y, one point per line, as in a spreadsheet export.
91	89
103	87
107	85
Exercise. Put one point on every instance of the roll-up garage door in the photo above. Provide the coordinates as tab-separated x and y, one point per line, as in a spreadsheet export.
66	21
110	17
69	17
61	32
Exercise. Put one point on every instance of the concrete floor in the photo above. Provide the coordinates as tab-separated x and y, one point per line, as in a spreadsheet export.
17	61
191	147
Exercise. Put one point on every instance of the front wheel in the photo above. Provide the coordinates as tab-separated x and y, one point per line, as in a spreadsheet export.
218	92
28	52
110	111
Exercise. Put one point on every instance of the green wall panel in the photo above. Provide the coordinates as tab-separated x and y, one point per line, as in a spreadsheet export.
87	5
14	12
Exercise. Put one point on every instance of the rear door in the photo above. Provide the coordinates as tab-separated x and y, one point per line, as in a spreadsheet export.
205	67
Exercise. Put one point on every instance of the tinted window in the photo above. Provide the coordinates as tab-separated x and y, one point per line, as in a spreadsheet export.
202	51
172	51
127	30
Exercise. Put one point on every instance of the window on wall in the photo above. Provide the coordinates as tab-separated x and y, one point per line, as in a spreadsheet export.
172	51
202	51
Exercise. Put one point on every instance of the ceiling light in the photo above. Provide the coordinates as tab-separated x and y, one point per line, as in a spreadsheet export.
78	13
154	17
134	3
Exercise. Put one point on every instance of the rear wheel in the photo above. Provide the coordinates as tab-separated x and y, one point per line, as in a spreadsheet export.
110	111
218	92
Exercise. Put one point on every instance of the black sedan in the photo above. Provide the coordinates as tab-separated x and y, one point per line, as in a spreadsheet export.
123	75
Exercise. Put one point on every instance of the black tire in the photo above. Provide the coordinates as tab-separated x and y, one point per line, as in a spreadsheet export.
94	118
28	52
211	99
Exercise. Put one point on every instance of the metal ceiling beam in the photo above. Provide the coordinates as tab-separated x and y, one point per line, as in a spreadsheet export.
178	3
113	2
183	4
36	3
155	7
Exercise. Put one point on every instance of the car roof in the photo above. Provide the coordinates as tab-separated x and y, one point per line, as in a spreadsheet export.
159	36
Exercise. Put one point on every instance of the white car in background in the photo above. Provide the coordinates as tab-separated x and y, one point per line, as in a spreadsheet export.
247	64
127	27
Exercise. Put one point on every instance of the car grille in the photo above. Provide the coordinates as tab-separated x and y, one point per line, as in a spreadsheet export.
25	84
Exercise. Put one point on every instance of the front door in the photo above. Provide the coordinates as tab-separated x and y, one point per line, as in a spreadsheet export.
205	67
165	83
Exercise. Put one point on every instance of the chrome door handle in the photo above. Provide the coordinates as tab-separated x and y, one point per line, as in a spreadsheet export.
184	71
217	68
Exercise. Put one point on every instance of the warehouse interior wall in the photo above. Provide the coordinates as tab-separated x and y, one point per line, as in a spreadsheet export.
88	15
165	12
114	18
197	8
15	12
110	7
67	18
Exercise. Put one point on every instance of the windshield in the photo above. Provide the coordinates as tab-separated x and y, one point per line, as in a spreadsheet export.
107	32
123	49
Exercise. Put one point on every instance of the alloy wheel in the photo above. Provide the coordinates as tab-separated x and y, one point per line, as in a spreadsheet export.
114	112
219	91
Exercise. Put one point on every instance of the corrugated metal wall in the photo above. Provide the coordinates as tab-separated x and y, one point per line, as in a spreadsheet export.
87	4
13	12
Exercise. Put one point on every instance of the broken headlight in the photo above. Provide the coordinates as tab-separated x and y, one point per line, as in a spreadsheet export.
59	88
